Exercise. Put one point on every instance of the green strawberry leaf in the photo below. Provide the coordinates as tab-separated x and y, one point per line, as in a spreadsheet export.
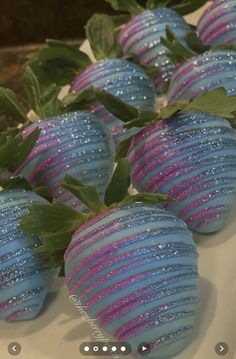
79	101
120	20
54	224
153	4
43	192
145	118
115	106
195	43
86	194
50	103
18	182
123	148
25	147
32	90
12	105
100	31
15	150
54	258
165	87
59	61
185	7
117	189
130	6
150	198
171	109
216	102
46	219
177	51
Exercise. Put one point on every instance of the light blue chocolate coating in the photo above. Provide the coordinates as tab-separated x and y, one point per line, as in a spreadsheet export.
135	270
24	278
217	25
77	144
122	79
192	158
142	36
211	70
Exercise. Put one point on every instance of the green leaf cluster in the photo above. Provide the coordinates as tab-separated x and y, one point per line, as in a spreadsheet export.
102	35
216	102
183	7
55	223
15	149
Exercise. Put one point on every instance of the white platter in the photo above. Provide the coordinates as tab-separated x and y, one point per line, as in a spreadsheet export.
58	332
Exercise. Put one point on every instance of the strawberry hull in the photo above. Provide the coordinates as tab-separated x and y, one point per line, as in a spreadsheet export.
192	158
135	271
213	69
217	25
123	79
77	144
24	278
142	36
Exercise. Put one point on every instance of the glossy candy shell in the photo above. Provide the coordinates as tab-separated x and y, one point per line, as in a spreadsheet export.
134	269
24	279
217	26
123	79
202	73
192	157
77	144
141	36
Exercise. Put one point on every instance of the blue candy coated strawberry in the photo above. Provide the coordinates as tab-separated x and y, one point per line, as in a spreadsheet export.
217	25
134	269
77	144
142	36
191	157
211	70
24	278
123	79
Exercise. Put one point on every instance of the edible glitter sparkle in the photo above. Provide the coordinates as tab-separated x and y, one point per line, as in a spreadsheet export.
192	158
24	278
141	36
76	144
135	270
120	78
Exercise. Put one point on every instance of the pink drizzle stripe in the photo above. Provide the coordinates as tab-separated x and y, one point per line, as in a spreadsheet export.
206	24
217	33
144	317
134	300
214	29
214	217
204	199
108	250
155	322
85	226
204	213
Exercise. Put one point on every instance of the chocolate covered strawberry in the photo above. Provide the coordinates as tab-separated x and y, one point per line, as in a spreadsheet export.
76	143
217	25
210	70
188	152
68	65
24	277
142	36
132	265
